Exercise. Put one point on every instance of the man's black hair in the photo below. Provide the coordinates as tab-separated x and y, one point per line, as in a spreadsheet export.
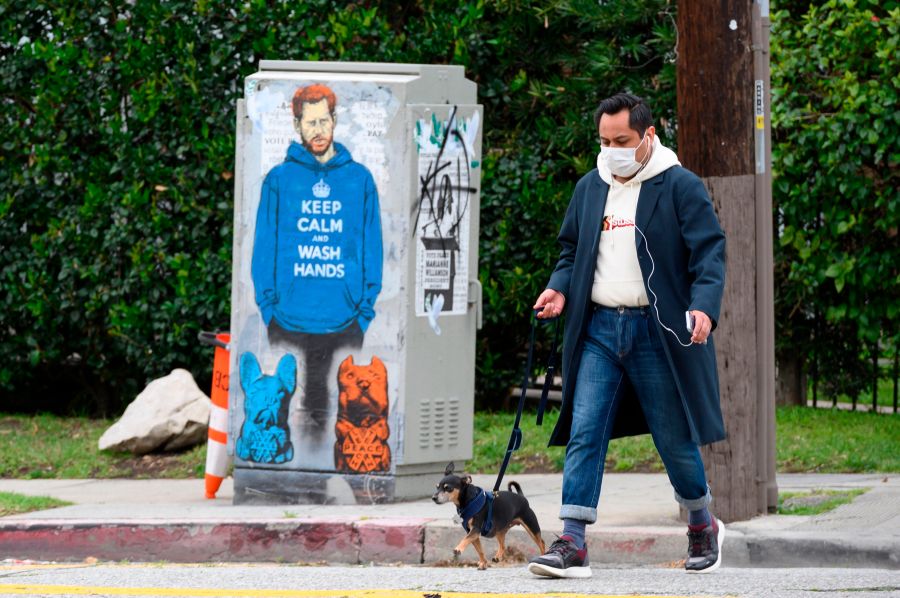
639	117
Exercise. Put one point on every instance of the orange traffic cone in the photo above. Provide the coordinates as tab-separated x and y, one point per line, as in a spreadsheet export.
216	454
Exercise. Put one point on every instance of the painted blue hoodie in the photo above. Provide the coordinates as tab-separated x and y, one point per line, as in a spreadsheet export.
317	248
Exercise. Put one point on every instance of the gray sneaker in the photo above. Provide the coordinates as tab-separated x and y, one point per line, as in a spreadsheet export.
705	547
562	559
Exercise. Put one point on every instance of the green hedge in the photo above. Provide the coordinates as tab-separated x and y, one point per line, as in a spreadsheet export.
117	160
836	164
116	164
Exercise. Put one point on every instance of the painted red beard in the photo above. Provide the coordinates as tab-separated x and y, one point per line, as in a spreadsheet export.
317	145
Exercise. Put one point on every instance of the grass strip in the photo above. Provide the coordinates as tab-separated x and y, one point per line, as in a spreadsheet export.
815	502
491	437
836	441
49	446
14	504
807	440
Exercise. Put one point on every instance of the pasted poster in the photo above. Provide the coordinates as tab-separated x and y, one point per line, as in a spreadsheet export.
314	375
446	159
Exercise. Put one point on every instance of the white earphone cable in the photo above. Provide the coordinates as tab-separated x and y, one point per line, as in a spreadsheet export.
655	299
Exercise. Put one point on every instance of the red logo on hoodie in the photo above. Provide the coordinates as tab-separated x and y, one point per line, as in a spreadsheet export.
612	223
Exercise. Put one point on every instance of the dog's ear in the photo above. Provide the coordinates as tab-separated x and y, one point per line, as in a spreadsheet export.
287	372
249	368
450	467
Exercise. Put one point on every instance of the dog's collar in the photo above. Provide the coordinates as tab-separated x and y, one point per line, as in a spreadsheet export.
475	505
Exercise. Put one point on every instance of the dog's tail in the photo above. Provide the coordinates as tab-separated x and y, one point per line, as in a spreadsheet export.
530	520
514	486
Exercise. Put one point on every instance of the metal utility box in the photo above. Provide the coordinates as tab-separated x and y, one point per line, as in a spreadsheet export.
355	294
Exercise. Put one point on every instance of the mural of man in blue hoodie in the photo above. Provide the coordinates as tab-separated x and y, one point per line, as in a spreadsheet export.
317	250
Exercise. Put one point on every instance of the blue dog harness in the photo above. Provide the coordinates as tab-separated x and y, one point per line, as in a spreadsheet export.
476	505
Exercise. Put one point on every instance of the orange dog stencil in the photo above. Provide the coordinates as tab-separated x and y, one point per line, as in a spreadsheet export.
362	419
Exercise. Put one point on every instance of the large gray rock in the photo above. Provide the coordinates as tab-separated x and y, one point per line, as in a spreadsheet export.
171	413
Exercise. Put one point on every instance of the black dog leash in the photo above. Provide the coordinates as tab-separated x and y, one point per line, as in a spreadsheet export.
515	438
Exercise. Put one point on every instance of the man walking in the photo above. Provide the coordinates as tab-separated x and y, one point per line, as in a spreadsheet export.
641	273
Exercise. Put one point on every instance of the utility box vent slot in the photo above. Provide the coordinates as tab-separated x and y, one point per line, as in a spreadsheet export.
439	423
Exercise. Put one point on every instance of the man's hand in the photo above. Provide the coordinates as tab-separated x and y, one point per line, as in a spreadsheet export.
553	303
702	327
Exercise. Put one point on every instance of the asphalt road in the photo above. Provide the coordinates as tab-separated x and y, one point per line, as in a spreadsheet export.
296	581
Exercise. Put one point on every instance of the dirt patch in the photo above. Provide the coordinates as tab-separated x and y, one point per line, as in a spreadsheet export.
144	467
30	473
806	500
149	466
814	499
9	425
513	557
537	463
465	562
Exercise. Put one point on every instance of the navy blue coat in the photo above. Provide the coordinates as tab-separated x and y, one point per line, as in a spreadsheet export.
688	248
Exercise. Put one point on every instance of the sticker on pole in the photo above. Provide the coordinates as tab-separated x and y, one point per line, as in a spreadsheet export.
760	108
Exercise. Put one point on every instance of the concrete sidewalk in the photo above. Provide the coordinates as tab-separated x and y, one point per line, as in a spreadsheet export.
170	520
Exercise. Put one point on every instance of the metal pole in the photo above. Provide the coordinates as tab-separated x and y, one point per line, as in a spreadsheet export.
875	375
765	285
815	357
896	367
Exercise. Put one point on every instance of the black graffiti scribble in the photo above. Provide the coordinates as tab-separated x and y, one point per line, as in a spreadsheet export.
444	198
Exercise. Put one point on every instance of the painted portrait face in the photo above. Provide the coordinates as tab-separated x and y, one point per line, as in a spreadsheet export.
316	127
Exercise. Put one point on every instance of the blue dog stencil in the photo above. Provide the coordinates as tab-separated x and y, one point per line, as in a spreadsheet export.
265	436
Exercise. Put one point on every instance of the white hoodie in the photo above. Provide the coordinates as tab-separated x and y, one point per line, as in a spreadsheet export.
617	276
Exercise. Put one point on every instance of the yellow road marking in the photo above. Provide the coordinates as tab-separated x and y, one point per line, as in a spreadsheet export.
114	591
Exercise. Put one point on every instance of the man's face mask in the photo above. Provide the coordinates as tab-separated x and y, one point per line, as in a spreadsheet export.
621	160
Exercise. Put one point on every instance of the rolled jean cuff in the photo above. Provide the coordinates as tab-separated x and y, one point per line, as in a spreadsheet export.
586	514
694	504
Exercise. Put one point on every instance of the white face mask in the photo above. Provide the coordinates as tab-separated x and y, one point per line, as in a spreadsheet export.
621	160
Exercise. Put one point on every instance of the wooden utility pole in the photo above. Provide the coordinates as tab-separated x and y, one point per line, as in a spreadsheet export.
723	136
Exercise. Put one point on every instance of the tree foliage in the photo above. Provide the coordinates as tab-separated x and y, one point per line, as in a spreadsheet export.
116	167
115	195
836	168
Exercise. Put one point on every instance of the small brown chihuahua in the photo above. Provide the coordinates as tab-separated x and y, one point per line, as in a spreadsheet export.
486	514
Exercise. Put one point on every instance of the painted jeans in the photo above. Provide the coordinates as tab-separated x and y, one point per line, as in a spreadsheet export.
622	345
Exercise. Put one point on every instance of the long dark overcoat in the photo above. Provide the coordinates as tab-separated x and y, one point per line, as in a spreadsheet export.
687	246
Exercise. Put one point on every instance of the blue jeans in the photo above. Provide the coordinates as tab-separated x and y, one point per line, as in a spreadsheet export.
623	346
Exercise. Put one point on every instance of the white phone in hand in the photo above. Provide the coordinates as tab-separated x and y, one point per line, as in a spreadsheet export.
689	321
